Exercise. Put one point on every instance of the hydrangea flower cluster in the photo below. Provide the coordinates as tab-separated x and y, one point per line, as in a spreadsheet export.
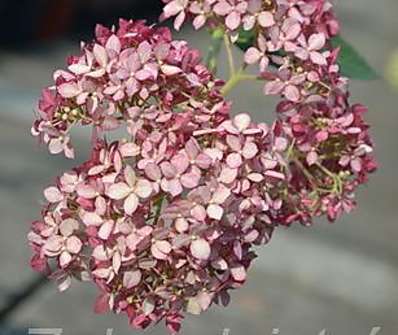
121	76
330	150
165	220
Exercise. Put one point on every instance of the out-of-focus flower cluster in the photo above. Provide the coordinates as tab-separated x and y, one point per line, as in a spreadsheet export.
166	219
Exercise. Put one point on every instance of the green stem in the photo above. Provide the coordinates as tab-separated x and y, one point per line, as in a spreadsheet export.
230	55
217	37
235	79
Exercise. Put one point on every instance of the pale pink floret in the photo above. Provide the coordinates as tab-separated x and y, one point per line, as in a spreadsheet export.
179	174
231	11
258	54
131	190
311	49
65	245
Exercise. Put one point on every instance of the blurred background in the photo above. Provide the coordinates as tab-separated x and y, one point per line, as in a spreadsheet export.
341	277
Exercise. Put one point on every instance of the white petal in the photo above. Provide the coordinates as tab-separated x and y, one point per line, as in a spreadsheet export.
200	249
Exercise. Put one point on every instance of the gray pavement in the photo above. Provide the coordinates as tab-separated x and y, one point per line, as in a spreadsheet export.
341	277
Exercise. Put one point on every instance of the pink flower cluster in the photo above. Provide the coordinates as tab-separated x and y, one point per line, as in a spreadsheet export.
121	76
165	220
165	223
330	150
277	16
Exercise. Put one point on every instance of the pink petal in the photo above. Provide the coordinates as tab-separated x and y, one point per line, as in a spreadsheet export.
100	55
118	191
242	121
181	225
199	21
153	172
274	87
233	20
200	249
318	58
238	249
100	254
191	179
356	165
266	19
255	177
79	68
192	148
74	245
163	246
222	8
234	160
113	44
64	259
56	146
102	273
180	162
275	174
157	252
250	150
252	55
281	144
215	211
116	262
168	170
91	219
292	93
131	204
203	161
143	188
69	90
130	150
198	213
173	186
170	70
53	246
173	8
239	273
316	41
312	158
68	226
204	299
106	229
53	194
221	194
129	176
131	279
86	191
228	175
234	142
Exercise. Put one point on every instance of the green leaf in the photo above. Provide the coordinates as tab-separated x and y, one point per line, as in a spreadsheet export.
246	39
352	64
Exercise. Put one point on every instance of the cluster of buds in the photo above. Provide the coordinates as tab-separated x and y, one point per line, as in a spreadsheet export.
165	220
